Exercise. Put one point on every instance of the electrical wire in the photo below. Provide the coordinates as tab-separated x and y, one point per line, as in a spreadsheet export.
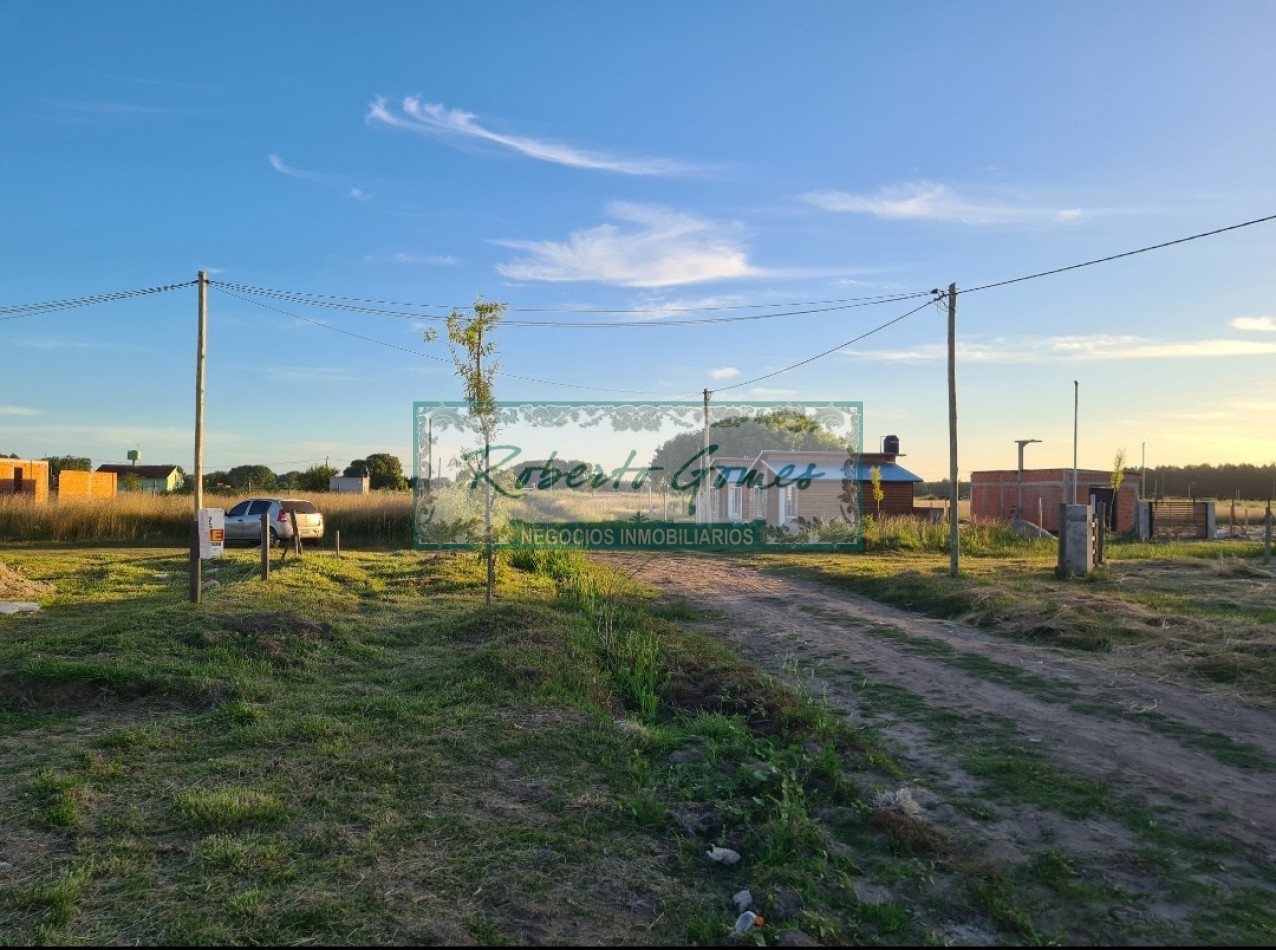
331	302
308	296
430	356
1113	257
17	311
812	359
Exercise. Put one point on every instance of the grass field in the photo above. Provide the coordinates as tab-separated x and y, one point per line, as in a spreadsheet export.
357	751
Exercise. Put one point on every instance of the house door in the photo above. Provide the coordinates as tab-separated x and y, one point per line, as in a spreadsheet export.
1107	498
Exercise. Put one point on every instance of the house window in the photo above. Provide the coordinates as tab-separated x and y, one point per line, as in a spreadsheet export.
791	501
734	498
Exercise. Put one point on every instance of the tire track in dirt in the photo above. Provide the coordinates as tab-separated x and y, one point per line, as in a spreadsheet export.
772	618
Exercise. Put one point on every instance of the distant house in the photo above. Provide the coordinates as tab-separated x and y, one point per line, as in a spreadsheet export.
995	495
27	477
767	487
349	484
155	478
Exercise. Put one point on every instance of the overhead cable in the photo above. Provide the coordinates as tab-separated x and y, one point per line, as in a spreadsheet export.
1113	257
17	311
334	303
812	359
430	356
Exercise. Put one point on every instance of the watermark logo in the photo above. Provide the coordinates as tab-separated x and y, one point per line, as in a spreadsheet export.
640	476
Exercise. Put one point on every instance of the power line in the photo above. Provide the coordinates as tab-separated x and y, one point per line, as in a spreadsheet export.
17	311
1113	257
331	302
430	356
812	359
299	296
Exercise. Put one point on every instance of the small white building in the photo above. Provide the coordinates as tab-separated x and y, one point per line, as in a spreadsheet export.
349	484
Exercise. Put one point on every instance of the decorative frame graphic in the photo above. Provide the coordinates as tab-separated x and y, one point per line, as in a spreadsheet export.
803	493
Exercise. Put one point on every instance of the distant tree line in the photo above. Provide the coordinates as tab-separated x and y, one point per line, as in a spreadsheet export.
1254	482
384	471
940	489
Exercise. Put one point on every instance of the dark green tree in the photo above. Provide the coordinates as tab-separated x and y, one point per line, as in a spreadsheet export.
745	437
252	478
315	479
384	471
64	463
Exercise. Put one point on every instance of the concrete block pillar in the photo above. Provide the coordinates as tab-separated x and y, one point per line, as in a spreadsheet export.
1076	540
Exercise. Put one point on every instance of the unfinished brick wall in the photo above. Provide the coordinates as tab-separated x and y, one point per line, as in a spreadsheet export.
86	484
993	495
26	477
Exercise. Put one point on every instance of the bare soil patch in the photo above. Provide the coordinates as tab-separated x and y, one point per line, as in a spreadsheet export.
1095	716
14	586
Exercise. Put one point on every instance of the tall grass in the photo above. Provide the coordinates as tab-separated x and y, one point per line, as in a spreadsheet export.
992	539
378	520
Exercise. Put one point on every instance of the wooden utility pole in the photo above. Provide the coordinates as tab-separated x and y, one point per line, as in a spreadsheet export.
196	572
954	560
702	508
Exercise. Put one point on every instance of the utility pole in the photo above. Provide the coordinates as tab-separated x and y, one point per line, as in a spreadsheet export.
1076	405
1019	495
954	541
1143	470
702	509
196	573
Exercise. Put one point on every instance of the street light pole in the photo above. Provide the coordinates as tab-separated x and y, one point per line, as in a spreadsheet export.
1143	469
1019	494
1076	405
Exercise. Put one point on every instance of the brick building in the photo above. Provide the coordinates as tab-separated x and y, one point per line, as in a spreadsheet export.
994	495
26	477
73	484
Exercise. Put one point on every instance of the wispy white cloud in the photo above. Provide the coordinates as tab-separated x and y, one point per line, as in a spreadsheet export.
930	201
1062	349
724	372
278	165
660	248
320	178
19	411
434	119
1263	324
442	260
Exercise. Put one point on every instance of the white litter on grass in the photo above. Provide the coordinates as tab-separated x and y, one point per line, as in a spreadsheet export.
743	900
900	800
16	608
745	922
723	855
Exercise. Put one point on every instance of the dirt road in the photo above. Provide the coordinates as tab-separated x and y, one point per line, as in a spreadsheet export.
1204	767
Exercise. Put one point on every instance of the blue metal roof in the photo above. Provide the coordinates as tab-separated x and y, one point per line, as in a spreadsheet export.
890	472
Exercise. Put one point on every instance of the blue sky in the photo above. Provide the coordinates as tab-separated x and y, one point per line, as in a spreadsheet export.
643	163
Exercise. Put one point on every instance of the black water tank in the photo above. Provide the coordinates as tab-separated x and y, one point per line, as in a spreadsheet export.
890	445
